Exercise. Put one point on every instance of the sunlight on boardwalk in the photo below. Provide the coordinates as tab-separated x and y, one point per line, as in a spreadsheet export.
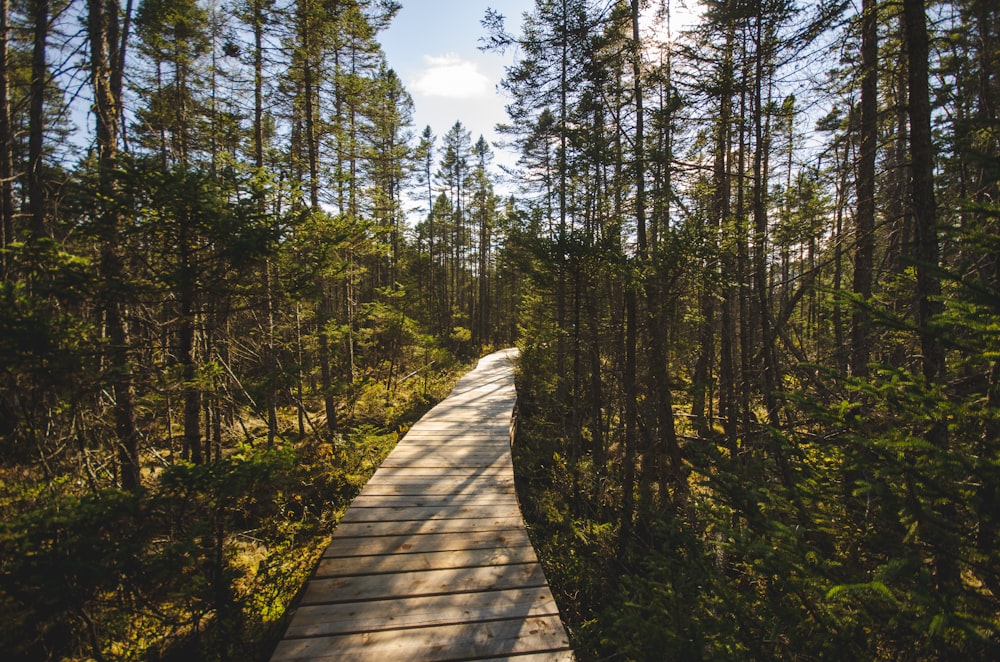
432	560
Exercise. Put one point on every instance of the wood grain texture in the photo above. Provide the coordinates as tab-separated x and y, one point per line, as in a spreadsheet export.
413	562
463	641
432	560
378	545
398	613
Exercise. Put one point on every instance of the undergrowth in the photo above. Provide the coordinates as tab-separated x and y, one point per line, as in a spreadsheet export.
203	562
839	563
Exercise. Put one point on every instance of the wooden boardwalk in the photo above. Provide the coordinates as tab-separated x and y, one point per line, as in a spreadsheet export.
432	560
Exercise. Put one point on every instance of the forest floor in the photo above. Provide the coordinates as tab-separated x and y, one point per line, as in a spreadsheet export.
204	560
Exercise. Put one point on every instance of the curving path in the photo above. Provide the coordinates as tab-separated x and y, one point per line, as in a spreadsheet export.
432	560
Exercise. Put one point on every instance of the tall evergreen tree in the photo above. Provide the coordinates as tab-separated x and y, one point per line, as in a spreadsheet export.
6	143
108	40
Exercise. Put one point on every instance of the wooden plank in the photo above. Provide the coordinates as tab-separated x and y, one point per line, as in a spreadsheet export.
428	526
480	420
417	461
475	430
417	456
472	413
427	542
473	499
419	473
492	473
381	615
550	656
447	642
478	411
481	452
496	448
470	417
498	443
469	436
441	476
450	451
457	429
482	457
353	566
430	485
476	457
451	484
432	490
456	423
444	463
457	432
437	463
418	513
427	582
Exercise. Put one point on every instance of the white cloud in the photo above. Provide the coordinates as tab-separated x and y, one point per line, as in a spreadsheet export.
451	77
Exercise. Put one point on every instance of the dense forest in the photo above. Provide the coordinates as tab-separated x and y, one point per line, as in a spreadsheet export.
214	317
753	267
759	383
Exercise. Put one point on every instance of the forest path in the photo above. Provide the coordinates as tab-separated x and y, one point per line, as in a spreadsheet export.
432	560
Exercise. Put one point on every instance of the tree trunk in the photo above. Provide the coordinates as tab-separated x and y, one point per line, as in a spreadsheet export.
839	351
728	406
482	325
299	362
922	185
270	358
323	317
6	140
741	273
666	435
436	324
628	339
631	420
309	110
190	387
6	145
947	572
596	387
102	25
562	167
36	118
258	83
865	218
707	304
762	141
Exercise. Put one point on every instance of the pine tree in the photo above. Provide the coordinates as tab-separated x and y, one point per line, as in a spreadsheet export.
6	144
107	56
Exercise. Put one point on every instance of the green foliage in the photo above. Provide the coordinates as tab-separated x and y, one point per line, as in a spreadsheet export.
881	546
201	228
203	562
47	352
116	574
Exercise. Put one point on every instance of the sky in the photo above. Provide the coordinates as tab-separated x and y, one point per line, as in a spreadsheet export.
433	47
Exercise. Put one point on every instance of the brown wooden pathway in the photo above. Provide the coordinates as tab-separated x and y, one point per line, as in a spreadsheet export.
432	560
